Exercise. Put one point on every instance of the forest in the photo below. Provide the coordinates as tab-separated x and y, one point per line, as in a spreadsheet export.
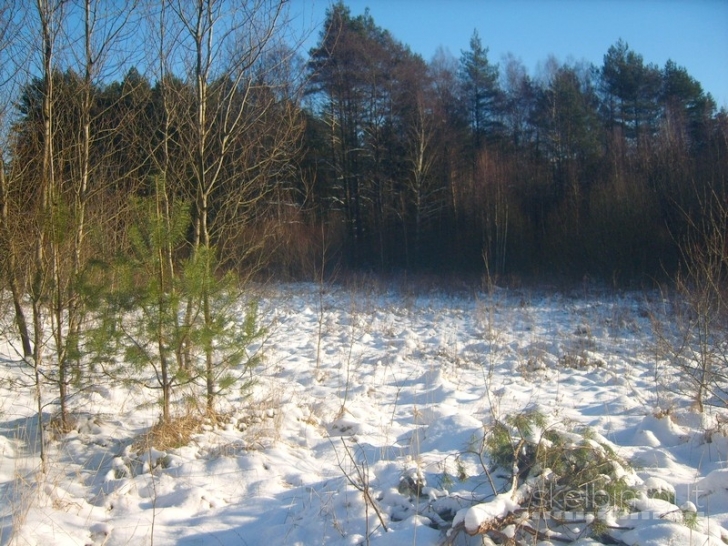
463	163
357	154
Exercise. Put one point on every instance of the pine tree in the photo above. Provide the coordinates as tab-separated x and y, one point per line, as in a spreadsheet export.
172	317
480	91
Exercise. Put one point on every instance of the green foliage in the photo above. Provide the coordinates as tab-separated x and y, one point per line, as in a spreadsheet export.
505	439
499	445
446	480
634	86
479	83
525	422
563	474
165	322
222	328
690	519
59	223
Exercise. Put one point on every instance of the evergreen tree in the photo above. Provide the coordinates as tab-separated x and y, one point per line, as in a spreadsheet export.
567	117
480	91
687	109
631	90
365	86
175	319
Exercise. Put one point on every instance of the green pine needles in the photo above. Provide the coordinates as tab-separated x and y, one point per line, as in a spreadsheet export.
166	321
567	481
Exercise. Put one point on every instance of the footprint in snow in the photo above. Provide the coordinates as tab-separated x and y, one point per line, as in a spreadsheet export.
99	534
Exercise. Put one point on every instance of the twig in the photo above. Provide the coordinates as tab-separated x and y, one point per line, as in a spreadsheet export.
362	485
154	496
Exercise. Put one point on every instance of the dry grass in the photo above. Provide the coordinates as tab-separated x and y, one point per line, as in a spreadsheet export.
176	432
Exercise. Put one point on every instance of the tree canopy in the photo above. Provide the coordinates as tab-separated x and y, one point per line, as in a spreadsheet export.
361	154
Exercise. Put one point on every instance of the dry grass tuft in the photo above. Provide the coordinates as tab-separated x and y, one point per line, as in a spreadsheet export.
176	432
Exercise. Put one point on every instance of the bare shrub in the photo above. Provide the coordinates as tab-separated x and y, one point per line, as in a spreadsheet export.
698	346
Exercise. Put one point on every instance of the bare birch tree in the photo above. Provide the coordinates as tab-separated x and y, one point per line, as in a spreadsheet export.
48	24
242	129
421	155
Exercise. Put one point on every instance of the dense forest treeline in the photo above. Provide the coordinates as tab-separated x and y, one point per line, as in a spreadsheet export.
356	154
464	164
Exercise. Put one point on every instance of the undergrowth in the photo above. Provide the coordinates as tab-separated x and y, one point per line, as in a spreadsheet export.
562	483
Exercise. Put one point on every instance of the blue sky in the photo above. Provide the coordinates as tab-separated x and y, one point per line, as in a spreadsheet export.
693	33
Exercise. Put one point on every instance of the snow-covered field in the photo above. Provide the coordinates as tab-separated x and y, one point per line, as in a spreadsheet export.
383	392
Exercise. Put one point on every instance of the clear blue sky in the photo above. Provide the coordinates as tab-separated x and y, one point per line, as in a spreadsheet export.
693	33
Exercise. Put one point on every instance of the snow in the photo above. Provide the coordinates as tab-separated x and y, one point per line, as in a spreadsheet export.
397	390
482	515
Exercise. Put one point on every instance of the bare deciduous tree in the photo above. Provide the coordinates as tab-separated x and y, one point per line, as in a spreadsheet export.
422	155
241	127
10	81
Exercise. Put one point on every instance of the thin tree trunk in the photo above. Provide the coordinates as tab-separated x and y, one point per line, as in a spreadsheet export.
209	364
40	275
11	264
80	201
37	363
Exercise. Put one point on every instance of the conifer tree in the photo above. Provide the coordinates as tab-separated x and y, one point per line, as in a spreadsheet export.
162	322
480	90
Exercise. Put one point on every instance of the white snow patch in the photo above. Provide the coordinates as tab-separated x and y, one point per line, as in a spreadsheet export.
391	389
